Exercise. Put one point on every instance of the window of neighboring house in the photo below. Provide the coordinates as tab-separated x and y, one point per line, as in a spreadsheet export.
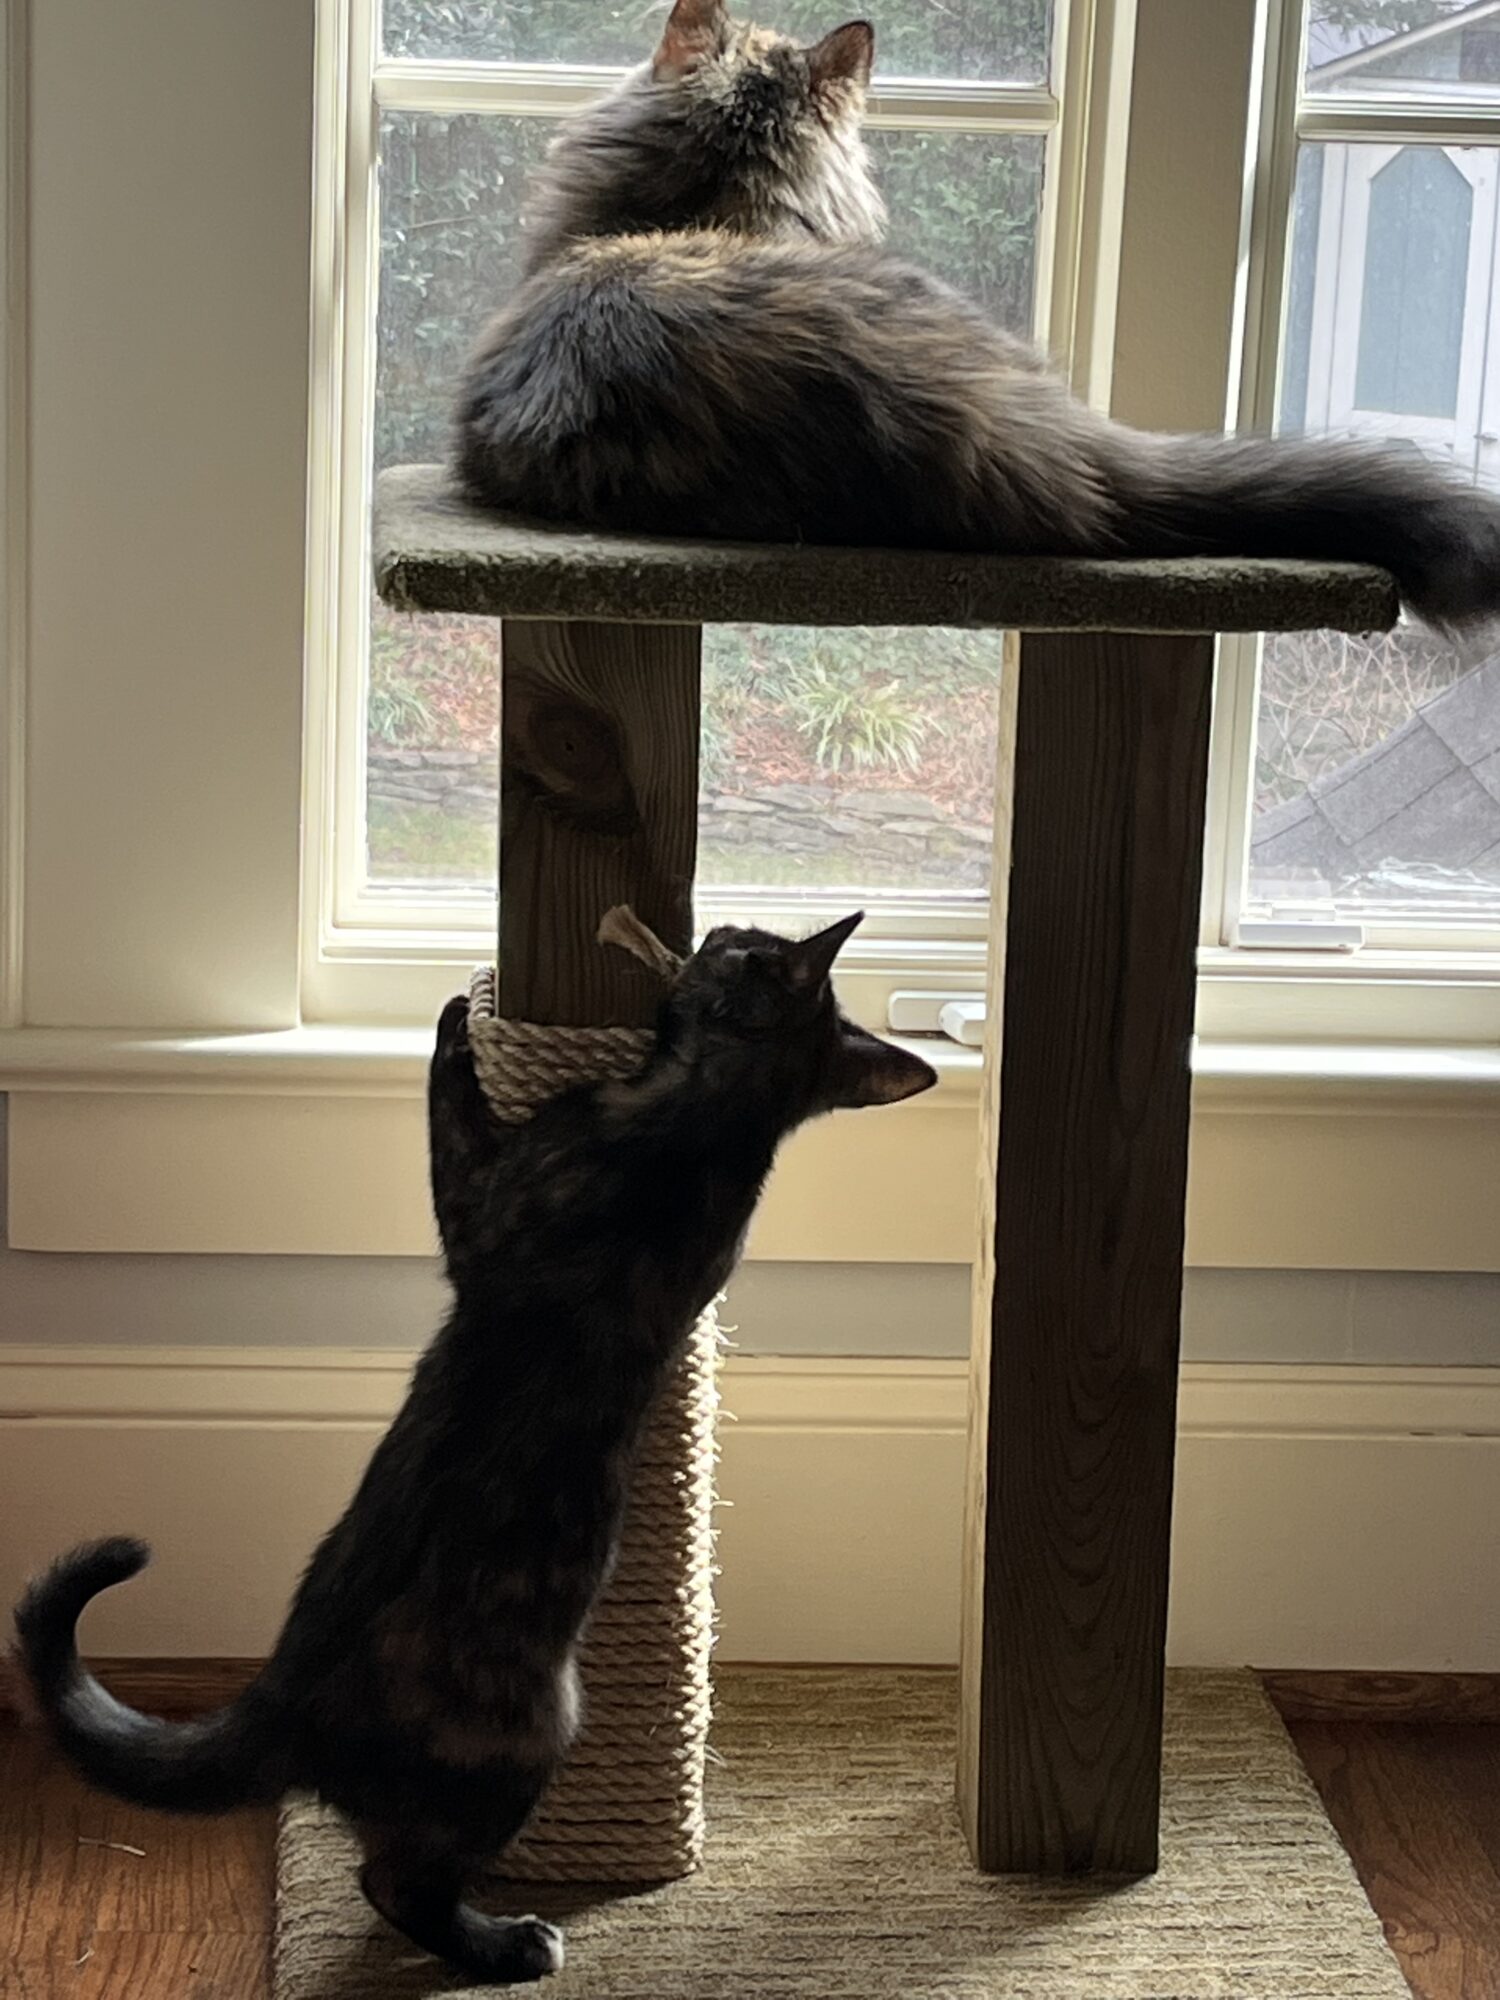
1418	230
1372	809
833	763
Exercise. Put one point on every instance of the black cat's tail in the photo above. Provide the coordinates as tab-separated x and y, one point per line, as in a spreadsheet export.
1323	499
228	1759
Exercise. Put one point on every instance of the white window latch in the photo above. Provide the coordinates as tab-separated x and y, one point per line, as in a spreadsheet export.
1299	927
963	1021
959	1016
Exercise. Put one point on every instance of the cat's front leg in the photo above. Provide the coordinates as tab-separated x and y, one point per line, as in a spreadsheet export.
462	1137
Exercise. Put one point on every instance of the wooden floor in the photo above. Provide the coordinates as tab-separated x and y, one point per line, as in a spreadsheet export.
83	1917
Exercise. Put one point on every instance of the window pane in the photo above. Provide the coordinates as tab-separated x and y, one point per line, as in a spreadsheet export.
1377	775
451	192
434	713
968	205
995	40
1403	48
450	202
1377	780
857	760
835	759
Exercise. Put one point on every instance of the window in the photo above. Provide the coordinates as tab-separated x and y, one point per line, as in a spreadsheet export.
832	763
1355	783
1372	808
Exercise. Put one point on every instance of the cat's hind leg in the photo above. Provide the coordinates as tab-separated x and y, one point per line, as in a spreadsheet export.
416	1882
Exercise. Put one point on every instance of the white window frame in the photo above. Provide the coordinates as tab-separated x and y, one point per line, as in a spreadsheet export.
373	955
1410	981
374	958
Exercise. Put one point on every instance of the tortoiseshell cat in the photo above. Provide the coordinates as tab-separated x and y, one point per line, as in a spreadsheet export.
424	1680
708	340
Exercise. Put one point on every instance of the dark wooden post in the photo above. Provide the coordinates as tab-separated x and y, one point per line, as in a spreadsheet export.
598	805
1077	1291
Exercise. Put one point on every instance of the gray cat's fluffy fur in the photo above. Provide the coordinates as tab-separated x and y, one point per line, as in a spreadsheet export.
709	340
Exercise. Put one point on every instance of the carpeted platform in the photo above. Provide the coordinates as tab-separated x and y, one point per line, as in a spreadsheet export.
836	1872
435	553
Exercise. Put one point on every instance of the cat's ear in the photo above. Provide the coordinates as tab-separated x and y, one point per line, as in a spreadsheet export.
809	963
868	1070
845	56
694	31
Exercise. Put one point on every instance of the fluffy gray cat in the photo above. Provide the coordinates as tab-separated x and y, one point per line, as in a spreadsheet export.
709	340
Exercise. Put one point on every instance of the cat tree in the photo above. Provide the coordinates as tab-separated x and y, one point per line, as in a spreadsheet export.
1103	753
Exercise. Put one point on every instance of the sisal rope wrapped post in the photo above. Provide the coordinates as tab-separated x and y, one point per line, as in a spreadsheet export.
628	1805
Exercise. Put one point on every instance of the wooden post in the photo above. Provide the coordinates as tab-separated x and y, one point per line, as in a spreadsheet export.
598	805
1099	830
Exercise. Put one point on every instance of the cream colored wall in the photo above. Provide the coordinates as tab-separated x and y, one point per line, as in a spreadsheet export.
1308	1501
170	211
1181	230
918	1311
786	1308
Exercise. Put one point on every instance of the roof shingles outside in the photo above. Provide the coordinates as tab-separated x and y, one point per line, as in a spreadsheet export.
1428	795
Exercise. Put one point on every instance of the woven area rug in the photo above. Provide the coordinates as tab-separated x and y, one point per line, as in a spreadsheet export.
836	1871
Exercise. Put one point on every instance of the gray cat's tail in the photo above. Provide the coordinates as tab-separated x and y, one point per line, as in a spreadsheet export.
229	1759
1319	498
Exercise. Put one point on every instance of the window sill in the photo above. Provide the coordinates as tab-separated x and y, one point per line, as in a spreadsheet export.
324	1060
312	1141
1387	999
315	1061
1421	1077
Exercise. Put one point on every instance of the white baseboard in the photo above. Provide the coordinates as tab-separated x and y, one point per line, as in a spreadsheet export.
1326	1517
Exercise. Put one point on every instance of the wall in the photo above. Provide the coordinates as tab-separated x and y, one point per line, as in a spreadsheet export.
918	1310
170	216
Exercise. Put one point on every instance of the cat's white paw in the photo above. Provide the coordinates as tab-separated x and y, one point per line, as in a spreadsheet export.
538	1947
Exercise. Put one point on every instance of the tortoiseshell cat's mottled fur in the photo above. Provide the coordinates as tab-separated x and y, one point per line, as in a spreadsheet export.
424	1680
709	339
